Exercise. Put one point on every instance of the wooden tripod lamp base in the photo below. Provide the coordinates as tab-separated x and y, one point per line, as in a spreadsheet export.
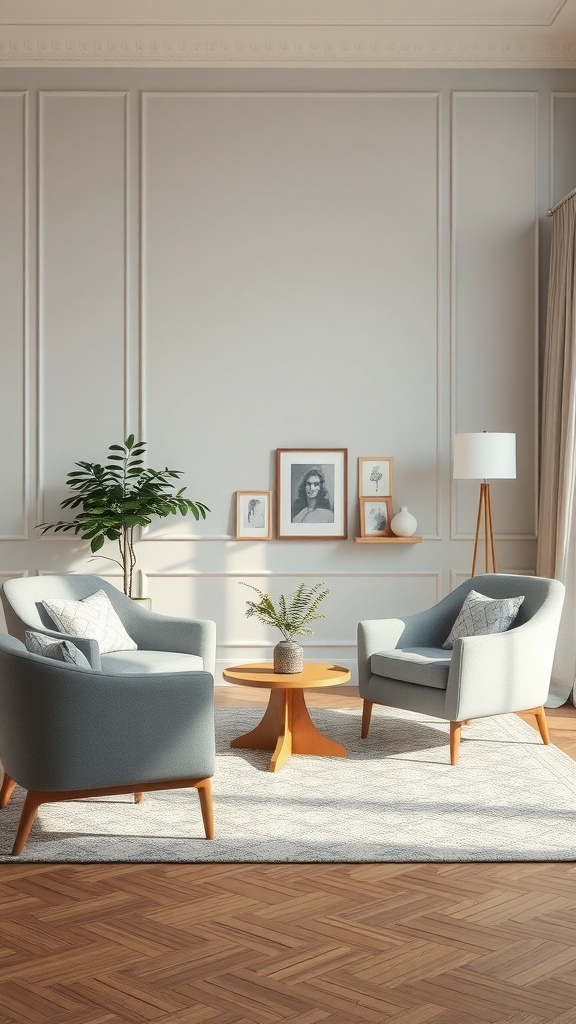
485	515
484	456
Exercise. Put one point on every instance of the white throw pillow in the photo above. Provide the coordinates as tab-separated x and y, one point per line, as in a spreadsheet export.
58	650
480	615
93	618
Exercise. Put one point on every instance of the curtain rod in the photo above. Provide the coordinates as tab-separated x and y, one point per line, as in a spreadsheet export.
561	203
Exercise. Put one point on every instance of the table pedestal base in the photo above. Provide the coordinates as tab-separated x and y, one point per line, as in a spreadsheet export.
286	729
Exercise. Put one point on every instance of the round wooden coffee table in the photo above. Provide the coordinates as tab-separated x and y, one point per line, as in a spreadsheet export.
286	727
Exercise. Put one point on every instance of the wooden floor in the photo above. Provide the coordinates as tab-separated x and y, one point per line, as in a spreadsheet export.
294	944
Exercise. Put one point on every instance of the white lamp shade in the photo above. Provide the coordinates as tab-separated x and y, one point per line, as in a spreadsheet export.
484	456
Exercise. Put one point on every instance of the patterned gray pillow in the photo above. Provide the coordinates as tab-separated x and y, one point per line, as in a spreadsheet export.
59	650
480	615
93	618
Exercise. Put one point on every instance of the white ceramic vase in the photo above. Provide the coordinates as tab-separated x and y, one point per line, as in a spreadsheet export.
403	524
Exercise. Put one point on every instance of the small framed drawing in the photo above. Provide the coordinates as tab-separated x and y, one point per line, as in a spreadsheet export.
375	476
375	516
253	515
312	493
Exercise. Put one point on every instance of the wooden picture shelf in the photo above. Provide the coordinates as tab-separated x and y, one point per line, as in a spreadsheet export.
388	540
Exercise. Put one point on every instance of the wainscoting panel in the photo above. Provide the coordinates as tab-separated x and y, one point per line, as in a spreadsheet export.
13	305
352	597
8	575
563	153
231	262
82	283
289	291
494	324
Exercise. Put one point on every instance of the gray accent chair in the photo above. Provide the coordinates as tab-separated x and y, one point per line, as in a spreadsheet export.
165	643
68	733
402	664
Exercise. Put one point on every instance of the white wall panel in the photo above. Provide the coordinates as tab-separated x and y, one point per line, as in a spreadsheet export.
13	307
563	150
290	288
319	269
4	575
352	597
82	287
494	274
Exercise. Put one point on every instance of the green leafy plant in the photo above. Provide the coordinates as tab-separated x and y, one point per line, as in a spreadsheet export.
291	615
116	498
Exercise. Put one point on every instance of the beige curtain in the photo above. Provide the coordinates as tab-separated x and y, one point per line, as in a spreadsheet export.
557	513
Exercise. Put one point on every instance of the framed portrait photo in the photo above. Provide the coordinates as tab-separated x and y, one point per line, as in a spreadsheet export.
312	493
253	515
375	476
375	516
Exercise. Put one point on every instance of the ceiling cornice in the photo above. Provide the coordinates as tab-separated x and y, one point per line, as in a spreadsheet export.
361	33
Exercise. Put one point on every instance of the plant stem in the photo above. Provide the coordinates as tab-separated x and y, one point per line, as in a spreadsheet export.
125	560
131	558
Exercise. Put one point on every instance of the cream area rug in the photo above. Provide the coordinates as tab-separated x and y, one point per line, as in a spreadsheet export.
395	798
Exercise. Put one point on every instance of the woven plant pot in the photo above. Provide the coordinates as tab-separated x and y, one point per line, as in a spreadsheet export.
288	657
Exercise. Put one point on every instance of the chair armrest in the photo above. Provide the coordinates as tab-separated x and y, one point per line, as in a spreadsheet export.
153	631
502	672
386	634
90	648
67	728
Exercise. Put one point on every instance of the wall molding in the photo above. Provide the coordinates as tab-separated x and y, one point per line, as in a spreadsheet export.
457	576
289	574
268	46
156	534
43	96
265	646
25	338
542	13
455	534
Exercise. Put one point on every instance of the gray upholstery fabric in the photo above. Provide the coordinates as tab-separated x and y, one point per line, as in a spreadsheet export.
150	661
60	650
22	601
63	728
423	666
488	675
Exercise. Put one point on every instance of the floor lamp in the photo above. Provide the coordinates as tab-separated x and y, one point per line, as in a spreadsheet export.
485	456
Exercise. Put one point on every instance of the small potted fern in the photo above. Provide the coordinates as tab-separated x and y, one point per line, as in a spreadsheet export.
292	615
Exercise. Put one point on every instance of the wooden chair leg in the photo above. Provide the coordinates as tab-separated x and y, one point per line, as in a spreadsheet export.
366	716
8	787
455	733
31	805
206	806
542	723
37	797
138	798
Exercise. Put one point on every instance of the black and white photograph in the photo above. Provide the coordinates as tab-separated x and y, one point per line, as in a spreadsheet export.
375	476
253	515
312	493
375	517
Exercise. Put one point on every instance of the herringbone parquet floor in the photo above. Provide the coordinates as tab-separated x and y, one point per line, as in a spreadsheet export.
293	944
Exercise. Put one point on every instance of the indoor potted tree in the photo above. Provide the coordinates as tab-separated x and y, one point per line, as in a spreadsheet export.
116	498
292	616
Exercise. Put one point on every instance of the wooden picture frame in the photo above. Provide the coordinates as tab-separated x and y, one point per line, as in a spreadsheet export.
312	493
376	516
375	476
253	515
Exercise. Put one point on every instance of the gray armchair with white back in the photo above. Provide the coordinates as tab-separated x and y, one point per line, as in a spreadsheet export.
69	732
85	610
485	649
